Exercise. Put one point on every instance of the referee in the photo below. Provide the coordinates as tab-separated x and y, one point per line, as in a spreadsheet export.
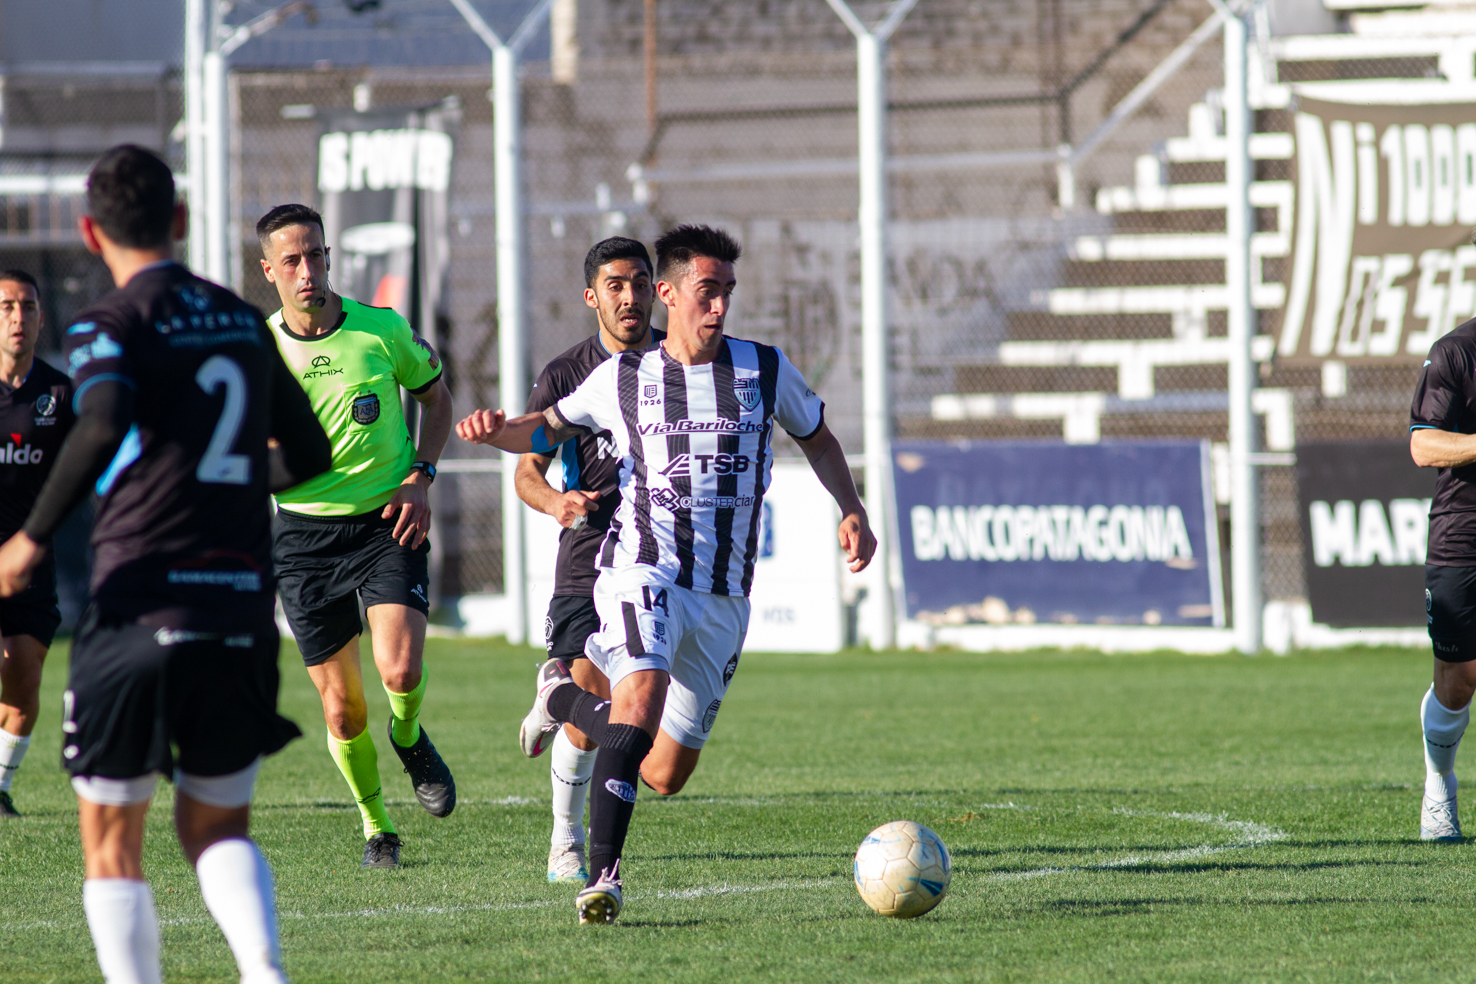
358	532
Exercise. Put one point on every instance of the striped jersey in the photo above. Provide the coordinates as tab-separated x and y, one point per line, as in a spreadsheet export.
695	456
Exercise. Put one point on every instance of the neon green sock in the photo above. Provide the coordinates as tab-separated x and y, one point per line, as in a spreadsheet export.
359	762
405	712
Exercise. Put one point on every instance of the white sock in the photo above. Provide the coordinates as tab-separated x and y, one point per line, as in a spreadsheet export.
12	750
236	882
570	769
125	929
1443	729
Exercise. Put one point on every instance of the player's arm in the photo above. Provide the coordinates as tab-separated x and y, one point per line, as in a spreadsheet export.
570	508
1431	447
539	433
829	463
299	449
411	502
103	420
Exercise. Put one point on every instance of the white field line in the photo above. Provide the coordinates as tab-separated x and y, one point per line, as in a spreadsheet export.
1249	835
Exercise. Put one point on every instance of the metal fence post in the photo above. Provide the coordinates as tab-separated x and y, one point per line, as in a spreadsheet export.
197	25
1245	538
217	147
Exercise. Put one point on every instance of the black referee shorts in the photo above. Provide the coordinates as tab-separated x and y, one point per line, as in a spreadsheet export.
571	620
34	611
1450	612
202	682
326	564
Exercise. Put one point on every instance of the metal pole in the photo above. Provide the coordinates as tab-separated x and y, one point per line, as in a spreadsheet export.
217	147
871	93
1245	532
196	26
511	355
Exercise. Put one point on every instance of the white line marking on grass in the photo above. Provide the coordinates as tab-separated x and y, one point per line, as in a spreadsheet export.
1249	835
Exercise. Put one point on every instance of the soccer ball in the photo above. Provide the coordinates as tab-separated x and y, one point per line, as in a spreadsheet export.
902	869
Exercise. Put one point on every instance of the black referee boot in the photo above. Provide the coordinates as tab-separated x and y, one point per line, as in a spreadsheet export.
382	851
434	785
7	808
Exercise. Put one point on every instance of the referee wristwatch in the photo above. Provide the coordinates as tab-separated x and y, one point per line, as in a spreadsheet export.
425	468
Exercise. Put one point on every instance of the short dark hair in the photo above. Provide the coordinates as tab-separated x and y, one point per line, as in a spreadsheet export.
130	195
610	250
682	245
20	277
283	216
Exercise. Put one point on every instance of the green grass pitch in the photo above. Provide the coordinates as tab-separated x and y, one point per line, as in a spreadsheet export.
1134	818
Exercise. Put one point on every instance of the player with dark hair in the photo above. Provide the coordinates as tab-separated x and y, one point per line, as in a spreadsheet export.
35	417
618	286
692	421
178	389
359	531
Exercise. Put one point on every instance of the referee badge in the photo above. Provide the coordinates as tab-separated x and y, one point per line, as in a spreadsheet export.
366	408
747	391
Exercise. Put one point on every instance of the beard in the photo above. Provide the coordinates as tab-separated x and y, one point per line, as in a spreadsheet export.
610	321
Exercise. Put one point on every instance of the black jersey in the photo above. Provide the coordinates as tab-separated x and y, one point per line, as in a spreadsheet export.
183	519
591	464
34	420
1445	399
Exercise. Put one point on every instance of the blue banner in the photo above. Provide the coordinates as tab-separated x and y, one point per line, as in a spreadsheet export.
1020	532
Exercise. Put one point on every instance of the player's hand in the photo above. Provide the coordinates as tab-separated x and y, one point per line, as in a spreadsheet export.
412	504
857	540
481	426
574	508
19	558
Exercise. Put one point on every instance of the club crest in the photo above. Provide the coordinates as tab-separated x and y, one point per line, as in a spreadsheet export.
46	405
747	391
650	391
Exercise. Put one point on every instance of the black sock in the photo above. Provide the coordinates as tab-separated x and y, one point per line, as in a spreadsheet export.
613	793
586	711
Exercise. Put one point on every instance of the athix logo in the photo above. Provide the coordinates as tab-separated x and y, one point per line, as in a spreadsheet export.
17	454
322	366
721	464
667	499
701	427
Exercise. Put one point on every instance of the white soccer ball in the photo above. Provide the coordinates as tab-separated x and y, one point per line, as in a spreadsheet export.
902	869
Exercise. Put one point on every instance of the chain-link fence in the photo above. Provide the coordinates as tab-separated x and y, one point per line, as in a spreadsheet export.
1001	266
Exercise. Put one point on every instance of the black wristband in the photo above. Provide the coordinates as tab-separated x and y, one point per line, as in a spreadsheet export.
425	468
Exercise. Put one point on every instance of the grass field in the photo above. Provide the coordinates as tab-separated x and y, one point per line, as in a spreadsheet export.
1156	817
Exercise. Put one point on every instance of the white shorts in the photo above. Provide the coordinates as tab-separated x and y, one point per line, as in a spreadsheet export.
647	623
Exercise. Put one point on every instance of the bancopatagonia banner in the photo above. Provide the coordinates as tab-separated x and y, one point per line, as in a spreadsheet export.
1382	263
1365	515
1022	531
385	178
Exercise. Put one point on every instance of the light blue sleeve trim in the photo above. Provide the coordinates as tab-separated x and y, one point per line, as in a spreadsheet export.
1422	427
128	452
570	456
116	377
539	442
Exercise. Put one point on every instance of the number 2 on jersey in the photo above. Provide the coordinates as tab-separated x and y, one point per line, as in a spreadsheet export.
219	465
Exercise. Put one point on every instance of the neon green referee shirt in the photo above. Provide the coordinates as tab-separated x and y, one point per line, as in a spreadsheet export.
352	376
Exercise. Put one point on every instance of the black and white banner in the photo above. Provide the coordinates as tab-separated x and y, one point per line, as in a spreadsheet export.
1364	513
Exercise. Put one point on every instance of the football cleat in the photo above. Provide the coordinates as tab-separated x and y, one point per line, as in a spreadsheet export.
599	904
382	851
538	728
567	865
435	787
1440	820
7	806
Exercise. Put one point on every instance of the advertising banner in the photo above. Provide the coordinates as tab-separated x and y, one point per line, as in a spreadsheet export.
1382	264
1018	531
384	177
1365	512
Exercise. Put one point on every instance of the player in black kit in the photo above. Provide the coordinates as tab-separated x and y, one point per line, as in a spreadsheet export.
1442	420
178	388
618	285
35	417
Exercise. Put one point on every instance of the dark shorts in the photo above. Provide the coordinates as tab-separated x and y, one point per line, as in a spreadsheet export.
571	620
203	683
1450	612
326	565
33	612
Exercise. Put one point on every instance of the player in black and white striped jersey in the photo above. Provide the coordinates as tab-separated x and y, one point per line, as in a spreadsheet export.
693	421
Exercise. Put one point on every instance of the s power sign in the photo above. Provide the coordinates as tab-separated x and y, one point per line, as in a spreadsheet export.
1018	531
1365	510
